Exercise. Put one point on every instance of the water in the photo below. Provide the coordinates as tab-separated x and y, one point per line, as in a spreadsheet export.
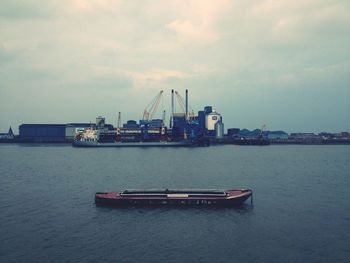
301	209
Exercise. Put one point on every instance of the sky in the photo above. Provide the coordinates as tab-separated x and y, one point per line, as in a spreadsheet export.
285	64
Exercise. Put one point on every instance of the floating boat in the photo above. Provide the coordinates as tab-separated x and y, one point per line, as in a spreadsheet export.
94	138
173	197
133	144
252	141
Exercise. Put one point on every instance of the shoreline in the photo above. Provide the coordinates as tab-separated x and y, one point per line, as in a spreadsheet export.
247	142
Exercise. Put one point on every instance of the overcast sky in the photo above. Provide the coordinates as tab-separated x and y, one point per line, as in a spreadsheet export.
285	64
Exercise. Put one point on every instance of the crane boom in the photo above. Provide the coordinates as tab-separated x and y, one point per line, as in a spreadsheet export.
182	104
180	101
151	109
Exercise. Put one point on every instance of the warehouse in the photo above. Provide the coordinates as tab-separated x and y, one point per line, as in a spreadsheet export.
42	133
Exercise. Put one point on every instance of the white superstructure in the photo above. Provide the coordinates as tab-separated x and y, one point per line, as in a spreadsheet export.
89	134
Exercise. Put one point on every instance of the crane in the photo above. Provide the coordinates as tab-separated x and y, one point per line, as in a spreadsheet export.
182	104
151	108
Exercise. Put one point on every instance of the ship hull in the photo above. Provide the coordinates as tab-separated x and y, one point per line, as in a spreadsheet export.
260	142
131	144
114	199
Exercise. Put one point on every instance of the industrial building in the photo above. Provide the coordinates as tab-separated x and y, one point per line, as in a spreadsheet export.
233	132
42	132
277	135
131	124
183	124
206	126
56	132
210	123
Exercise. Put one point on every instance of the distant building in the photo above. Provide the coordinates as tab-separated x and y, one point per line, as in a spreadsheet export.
156	123
250	134
233	131
131	124
345	134
210	121
219	130
42	132
179	124
304	136
7	136
277	135
326	135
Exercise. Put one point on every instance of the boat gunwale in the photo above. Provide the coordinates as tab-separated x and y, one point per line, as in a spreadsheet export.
168	193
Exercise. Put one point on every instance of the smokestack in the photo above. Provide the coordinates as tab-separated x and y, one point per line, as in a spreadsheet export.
119	121
172	109
186	104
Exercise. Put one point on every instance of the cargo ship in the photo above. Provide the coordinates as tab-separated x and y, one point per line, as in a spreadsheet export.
135	137
172	197
133	144
250	141
96	138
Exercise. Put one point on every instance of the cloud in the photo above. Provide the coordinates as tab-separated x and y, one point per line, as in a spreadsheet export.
233	49
156	75
188	31
28	9
302	20
6	55
198	20
83	7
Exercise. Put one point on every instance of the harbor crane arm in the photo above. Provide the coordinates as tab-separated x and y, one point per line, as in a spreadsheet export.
182	104
151	109
181	101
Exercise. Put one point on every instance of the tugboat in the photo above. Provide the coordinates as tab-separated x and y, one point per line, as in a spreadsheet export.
172	197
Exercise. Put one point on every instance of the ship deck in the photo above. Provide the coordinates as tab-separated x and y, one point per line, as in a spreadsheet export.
144	195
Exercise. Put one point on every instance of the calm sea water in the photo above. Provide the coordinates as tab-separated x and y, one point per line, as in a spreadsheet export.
301	210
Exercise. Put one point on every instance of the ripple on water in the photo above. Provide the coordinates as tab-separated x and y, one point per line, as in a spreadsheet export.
300	210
